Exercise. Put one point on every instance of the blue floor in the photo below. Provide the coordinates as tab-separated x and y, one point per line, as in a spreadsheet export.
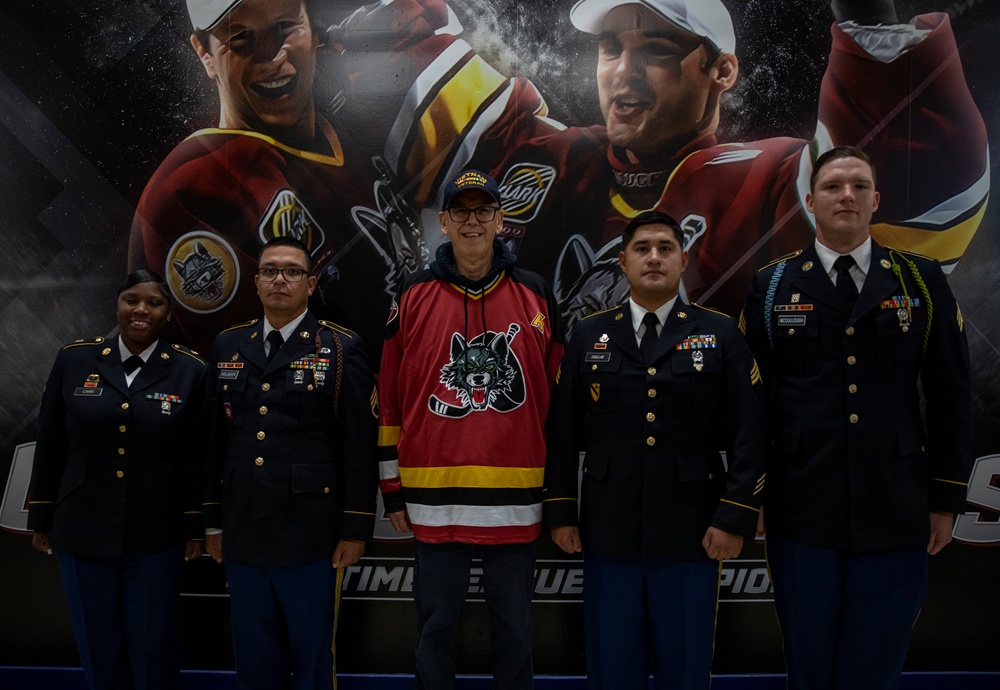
27	678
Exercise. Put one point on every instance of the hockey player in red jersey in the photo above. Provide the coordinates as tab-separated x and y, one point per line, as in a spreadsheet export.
276	165
895	89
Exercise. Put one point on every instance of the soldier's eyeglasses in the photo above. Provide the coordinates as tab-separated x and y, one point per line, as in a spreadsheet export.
484	214
292	275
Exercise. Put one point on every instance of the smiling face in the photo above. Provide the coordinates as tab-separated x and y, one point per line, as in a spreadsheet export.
472	240
652	262
655	82
843	200
282	300
143	310
262	56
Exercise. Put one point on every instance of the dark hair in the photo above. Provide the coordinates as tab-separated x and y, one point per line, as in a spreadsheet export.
287	241
652	218
835	154
144	275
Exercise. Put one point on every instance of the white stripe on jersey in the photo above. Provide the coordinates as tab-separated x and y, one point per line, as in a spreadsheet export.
474	516
388	469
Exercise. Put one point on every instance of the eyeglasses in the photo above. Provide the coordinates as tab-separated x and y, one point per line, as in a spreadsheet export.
292	275
484	214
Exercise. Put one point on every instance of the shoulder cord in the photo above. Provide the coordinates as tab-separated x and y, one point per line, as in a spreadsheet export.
339	375
919	280
772	289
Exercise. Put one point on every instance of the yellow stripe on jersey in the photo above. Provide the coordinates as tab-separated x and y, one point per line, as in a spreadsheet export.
472	476
388	435
944	245
451	111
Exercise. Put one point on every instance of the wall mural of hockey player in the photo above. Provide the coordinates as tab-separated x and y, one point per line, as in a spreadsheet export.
896	89
277	164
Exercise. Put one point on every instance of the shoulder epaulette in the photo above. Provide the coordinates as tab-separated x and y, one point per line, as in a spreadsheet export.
786	257
603	311
189	352
245	324
338	328
714	311
907	251
85	341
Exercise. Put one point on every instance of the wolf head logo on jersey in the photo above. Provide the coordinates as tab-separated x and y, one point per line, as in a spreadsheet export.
483	373
202	273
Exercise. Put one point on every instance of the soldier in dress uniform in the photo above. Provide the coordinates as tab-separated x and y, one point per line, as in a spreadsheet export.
116	487
668	387
292	474
861	490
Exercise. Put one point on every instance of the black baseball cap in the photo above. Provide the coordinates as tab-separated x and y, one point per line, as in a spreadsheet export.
470	179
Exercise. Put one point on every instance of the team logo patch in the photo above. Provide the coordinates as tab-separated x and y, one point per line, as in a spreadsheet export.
523	190
286	216
483	373
202	271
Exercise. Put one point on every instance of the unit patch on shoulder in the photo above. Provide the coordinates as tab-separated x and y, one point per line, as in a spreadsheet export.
202	271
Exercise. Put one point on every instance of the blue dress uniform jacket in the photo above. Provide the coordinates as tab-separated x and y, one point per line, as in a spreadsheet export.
287	476
654	479
116	470
852	463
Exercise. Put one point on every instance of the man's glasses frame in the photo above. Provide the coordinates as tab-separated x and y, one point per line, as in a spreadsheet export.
484	214
291	275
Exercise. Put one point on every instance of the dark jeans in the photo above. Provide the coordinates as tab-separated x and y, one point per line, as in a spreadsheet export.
441	582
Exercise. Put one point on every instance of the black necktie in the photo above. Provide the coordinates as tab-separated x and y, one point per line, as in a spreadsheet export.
648	342
275	339
132	363
845	282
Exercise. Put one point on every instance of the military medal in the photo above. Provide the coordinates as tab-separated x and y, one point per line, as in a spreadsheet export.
324	350
698	358
604	338
904	319
796	296
165	407
299	377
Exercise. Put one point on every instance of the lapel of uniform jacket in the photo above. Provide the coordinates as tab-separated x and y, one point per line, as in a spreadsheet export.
252	347
879	283
680	323
109	366
156	368
621	332
299	344
806	275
